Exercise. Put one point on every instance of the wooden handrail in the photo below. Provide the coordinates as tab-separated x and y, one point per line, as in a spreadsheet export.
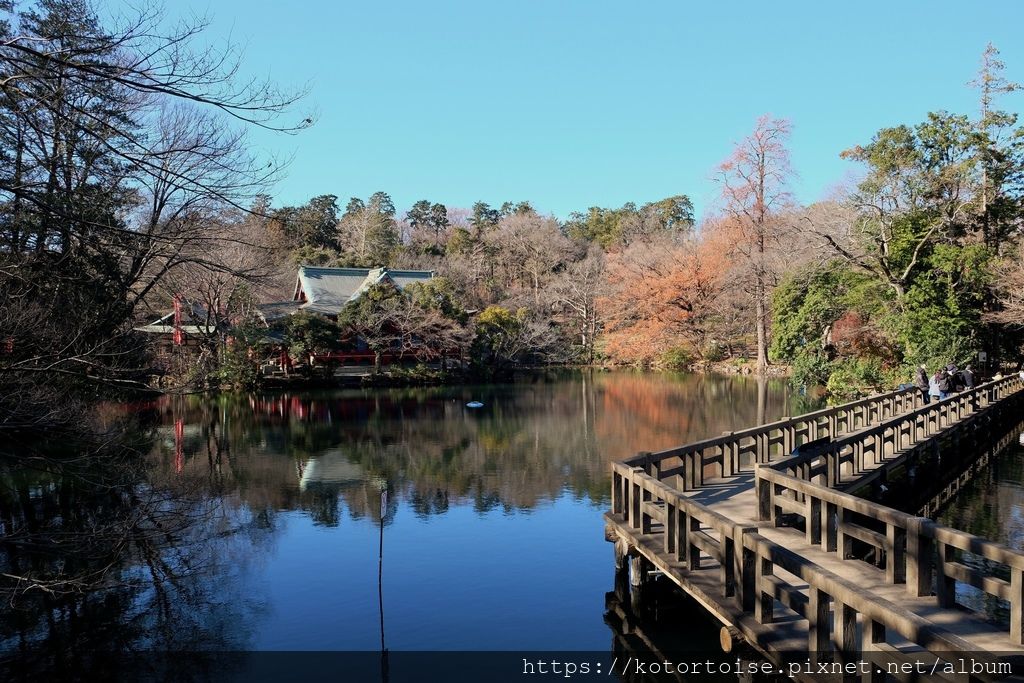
904	426
746	559
800	422
915	548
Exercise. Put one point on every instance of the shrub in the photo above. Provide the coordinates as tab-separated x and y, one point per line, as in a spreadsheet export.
676	358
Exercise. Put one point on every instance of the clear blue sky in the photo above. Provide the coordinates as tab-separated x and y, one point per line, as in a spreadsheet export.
574	104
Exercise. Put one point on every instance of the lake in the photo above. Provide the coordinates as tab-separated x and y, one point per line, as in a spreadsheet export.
373	519
492	534
360	520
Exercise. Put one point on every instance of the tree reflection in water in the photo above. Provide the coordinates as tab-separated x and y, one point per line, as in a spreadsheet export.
102	554
529	444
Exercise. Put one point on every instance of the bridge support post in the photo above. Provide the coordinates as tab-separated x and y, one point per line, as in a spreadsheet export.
621	571
639	578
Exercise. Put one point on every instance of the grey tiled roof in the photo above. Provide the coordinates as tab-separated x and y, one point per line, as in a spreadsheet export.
277	309
327	290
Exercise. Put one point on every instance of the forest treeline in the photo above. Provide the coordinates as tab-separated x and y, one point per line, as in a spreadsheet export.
127	179
916	262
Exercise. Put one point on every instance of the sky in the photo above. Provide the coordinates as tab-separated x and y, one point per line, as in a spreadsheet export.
571	104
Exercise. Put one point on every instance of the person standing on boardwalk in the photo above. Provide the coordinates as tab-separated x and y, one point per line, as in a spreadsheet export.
933	387
921	382
942	381
968	377
955	381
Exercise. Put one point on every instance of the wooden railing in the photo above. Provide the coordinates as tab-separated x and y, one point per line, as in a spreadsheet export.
908	549
695	538
829	461
723	455
688	528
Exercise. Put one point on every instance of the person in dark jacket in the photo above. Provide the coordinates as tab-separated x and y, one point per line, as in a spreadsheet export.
968	377
955	383
942	380
921	382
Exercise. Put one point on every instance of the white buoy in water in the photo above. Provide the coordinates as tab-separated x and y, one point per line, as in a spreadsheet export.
474	404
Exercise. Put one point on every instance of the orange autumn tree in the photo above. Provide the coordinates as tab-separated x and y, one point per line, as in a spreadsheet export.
659	297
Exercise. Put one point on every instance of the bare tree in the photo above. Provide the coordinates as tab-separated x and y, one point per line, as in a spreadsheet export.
576	290
754	195
127	147
526	248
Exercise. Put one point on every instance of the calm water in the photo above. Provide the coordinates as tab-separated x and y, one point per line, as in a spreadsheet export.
371	519
492	533
992	506
268	513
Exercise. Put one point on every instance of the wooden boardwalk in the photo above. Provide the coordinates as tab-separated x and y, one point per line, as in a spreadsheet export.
758	526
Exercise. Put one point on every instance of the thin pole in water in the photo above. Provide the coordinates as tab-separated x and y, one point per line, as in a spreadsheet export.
380	584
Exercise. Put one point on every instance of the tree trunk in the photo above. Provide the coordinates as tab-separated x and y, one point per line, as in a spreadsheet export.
376	363
762	329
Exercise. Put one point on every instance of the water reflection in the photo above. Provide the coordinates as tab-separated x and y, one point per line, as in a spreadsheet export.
258	522
528	444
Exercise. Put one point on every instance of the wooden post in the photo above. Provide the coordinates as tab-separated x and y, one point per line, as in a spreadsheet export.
621	550
679	533
895	554
845	636
671	525
874	634
764	497
627	506
639	574
729	456
691	552
844	543
818	636
945	585
616	493
635	498
1017	605
764	606
812	520
831	527
787	437
744	573
650	468
919	558
727	566
831	467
